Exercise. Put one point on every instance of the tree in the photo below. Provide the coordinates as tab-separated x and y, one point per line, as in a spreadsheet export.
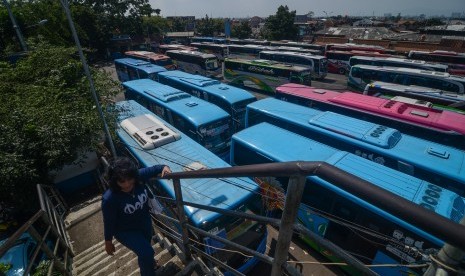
242	30
155	26
281	25
47	118
209	26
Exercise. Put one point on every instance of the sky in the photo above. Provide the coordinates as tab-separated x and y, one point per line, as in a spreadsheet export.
264	8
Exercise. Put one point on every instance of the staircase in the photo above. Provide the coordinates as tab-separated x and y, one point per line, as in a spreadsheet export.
85	227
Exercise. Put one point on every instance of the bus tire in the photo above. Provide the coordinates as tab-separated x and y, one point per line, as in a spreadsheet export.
341	71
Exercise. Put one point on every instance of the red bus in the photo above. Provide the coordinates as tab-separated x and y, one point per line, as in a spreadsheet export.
441	126
154	58
338	61
456	61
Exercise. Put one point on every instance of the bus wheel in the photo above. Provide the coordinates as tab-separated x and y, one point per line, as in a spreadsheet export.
341	71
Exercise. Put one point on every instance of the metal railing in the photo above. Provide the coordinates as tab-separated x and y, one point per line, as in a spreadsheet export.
435	224
56	209
40	228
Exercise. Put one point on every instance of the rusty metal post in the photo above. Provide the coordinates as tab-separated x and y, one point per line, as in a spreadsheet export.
182	218
294	192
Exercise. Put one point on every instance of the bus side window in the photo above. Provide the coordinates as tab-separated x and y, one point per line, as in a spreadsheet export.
345	210
132	74
142	74
179	122
419	81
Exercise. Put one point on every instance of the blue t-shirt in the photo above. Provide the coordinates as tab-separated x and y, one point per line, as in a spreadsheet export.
128	211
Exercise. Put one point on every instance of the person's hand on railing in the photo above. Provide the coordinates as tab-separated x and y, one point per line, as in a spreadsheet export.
165	171
110	248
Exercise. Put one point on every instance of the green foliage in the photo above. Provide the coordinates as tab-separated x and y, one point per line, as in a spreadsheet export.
209	26
96	21
155	26
177	24
42	269
4	268
241	31
47	117
281	25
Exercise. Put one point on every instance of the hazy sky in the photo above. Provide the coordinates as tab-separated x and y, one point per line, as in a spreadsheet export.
263	8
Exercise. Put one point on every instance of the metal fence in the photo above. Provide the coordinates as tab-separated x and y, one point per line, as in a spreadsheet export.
437	225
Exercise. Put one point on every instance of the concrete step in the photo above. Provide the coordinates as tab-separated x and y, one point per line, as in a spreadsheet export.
101	261
172	267
97	252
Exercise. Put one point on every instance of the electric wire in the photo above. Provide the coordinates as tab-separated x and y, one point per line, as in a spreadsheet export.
330	217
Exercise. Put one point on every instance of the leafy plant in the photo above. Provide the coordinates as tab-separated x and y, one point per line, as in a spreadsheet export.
47	117
4	268
281	25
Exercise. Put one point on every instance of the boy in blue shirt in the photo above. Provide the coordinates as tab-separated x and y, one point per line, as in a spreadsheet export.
126	212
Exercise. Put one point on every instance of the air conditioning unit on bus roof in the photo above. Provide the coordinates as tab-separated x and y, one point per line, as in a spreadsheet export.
149	132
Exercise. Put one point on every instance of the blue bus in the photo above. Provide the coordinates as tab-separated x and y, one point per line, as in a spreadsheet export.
325	100
180	152
367	232
439	164
133	69
204	122
231	99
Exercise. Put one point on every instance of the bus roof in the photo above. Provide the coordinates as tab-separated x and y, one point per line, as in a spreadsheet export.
200	44
141	64
197	111
207	191
269	64
147	54
403	60
409	70
439	159
406	88
305	91
227	92
265	137
290	53
192	53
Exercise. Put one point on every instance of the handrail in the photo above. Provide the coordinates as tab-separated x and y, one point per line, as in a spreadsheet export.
40	241
437	225
295	189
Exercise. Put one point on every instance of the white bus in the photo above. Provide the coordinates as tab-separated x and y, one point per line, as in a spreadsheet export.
397	62
264	75
318	64
361	75
196	62
219	50
247	51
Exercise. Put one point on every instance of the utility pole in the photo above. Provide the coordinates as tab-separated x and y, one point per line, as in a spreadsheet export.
15	26
450	256
64	3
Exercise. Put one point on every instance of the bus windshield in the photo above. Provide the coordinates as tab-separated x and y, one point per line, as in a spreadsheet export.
215	136
211	64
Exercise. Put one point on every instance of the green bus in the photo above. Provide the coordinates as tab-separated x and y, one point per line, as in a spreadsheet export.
264	75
